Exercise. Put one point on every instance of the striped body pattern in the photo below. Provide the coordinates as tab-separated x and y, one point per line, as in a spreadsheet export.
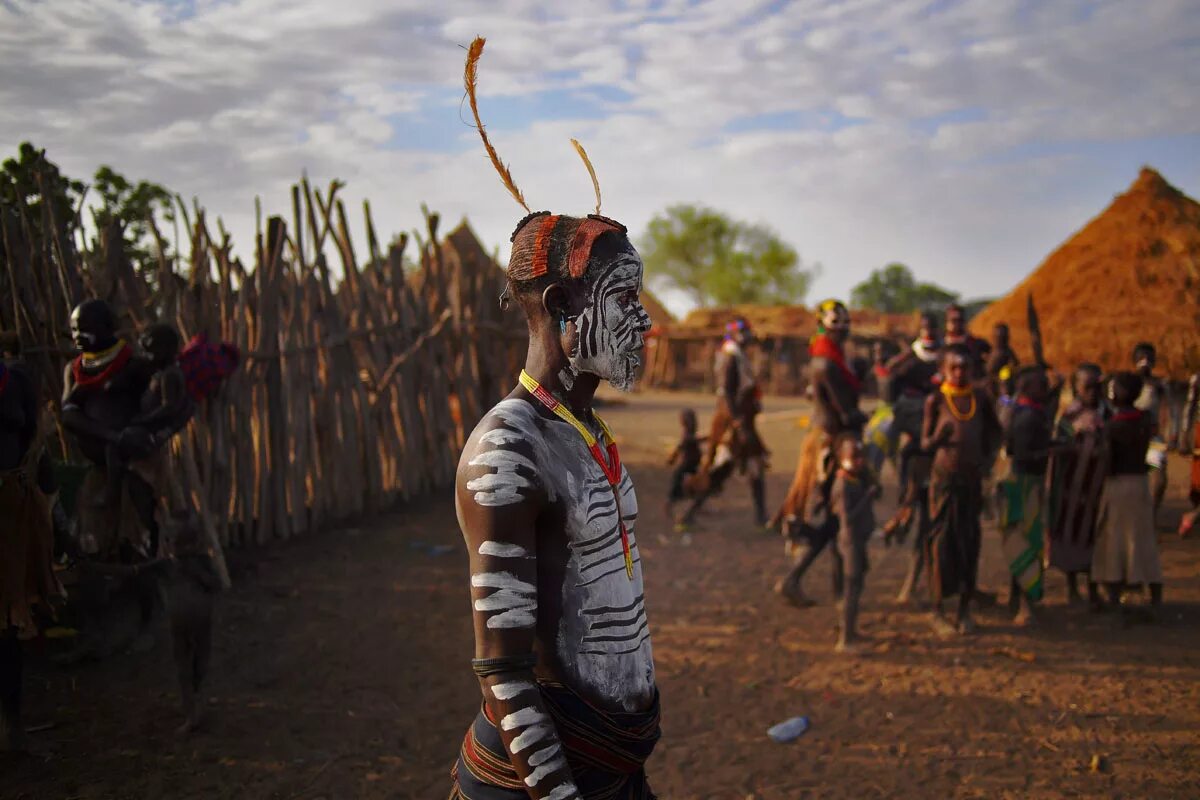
603	636
611	328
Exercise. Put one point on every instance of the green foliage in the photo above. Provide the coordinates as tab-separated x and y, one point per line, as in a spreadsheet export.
133	206
25	177
718	260
893	289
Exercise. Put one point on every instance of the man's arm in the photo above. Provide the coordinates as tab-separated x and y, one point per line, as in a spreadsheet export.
730	384
838	394
174	410
929	423
993	431
1189	414
499	497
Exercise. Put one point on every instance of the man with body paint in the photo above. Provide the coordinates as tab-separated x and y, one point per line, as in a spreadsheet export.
733	441
806	518
548	515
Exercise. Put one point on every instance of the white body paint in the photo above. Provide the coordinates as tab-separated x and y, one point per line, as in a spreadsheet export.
514	598
503	550
565	792
509	690
611	328
603	639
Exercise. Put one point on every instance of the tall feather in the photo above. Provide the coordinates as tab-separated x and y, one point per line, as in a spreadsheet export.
587	162
470	79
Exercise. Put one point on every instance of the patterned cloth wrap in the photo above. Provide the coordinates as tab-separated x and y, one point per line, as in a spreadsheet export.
1022	526
605	750
206	365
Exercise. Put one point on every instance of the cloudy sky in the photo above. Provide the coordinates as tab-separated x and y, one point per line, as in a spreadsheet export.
964	138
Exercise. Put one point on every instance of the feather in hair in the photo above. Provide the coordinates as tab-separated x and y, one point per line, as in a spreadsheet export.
587	162
470	78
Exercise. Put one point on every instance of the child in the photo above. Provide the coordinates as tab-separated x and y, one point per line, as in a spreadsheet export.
685	458
192	589
1126	550
1028	444
854	490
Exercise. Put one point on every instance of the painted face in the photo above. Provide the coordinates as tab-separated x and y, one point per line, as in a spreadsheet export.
954	370
1143	361
836	321
90	328
612	326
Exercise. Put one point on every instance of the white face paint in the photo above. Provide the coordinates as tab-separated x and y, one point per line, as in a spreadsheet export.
611	328
515	599
836	322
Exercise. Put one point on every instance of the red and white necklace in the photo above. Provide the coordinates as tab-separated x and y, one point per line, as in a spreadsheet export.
610	467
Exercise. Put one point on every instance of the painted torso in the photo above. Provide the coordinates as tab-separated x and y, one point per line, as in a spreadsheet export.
591	625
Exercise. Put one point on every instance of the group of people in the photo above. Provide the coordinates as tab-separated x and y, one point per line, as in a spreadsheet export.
569	705
121	404
971	432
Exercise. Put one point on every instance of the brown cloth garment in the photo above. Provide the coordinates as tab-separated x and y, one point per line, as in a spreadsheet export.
27	578
1076	480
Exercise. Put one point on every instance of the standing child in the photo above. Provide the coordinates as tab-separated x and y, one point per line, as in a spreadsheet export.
1126	550
685	458
960	428
1028	443
855	488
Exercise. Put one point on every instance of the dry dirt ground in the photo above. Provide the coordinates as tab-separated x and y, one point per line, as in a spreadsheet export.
341	671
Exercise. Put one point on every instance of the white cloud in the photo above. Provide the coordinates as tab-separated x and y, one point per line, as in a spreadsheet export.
984	131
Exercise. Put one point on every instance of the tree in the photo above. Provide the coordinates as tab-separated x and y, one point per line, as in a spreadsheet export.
719	260
133	206
893	289
27	176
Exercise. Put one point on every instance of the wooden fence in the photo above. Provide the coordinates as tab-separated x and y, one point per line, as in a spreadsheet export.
353	395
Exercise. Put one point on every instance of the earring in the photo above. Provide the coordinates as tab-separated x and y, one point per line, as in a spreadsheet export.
562	325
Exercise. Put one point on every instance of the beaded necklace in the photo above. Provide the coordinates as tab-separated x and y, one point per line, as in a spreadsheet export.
611	468
952	392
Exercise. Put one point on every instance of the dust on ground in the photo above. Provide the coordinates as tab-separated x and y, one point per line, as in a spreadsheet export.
341	671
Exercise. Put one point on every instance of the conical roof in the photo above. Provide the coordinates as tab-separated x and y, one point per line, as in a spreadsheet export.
1132	274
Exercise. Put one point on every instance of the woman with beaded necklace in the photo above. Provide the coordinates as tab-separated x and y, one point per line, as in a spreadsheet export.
961	429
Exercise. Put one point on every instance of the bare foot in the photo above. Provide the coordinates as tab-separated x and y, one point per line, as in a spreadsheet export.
796	596
966	625
1025	618
849	645
190	725
941	626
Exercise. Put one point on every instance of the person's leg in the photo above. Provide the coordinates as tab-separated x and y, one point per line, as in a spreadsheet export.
791	586
12	729
918	555
1156	599
1073	596
849	635
758	492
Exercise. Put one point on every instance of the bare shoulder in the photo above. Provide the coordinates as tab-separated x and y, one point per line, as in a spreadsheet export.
503	460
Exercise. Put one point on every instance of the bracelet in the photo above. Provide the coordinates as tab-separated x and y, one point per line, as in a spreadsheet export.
484	667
